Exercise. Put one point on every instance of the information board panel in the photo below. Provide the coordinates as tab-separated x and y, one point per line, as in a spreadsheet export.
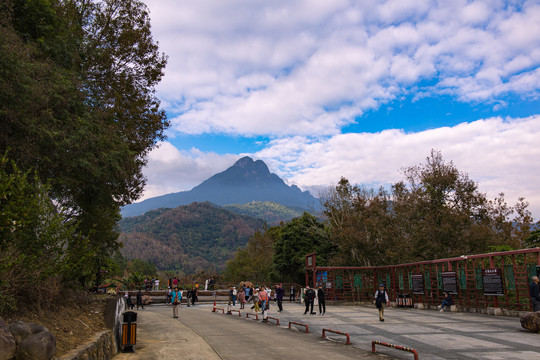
493	282
418	284
449	282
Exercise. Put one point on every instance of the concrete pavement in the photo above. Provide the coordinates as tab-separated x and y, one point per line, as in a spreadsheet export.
201	334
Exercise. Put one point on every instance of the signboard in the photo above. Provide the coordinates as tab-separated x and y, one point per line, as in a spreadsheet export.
322	277
493	282
449	282
328	285
418	284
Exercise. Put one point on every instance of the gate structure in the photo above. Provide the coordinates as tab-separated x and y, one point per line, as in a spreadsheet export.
496	280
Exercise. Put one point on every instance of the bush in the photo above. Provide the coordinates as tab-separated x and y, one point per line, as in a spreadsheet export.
34	236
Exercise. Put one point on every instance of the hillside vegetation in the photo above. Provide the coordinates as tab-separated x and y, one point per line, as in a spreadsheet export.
269	211
188	238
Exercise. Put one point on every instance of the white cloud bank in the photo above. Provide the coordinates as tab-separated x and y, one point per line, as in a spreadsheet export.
308	68
500	154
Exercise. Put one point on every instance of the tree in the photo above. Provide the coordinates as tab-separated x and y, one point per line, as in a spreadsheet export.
298	238
33	235
78	105
440	211
435	212
361	225
254	261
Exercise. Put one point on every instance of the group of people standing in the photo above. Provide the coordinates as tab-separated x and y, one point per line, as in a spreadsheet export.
260	297
151	284
309	299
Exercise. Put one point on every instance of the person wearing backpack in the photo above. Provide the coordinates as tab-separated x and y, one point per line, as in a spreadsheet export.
176	299
381	299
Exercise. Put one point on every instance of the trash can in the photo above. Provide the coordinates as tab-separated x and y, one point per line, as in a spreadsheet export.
400	300
129	331
407	300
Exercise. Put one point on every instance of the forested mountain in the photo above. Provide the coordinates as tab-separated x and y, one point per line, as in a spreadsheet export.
244	182
188	238
269	211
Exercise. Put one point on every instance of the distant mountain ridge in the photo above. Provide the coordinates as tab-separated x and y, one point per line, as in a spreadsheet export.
244	182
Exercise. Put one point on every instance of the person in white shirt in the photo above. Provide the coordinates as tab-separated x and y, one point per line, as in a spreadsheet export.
157	284
381	299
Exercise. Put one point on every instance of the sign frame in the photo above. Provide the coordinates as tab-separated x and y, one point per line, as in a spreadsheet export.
494	281
418	284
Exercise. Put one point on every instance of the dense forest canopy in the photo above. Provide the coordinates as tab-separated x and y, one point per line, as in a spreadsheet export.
187	239
78	110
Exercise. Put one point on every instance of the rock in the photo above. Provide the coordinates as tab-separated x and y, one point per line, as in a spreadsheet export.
146	300
20	331
7	342
39	346
34	341
531	321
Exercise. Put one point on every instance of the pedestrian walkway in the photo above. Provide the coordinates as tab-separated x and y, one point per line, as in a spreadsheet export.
433	334
201	334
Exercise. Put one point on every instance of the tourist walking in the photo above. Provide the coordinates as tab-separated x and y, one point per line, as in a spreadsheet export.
534	293
381	299
169	296
129	303
255	299
292	293
194	295
175	301
279	297
264	297
309	299
139	300
241	297
321	295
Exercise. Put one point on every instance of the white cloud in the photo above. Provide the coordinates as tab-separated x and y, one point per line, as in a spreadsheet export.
171	170
500	154
310	67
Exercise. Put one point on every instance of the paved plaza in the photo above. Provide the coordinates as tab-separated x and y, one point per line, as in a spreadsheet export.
201	334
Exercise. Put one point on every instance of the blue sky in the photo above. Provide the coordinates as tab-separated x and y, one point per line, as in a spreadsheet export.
324	89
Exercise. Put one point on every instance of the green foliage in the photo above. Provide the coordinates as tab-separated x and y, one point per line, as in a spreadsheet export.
534	238
34	237
254	261
298	238
78	106
190	238
271	212
138	266
436	212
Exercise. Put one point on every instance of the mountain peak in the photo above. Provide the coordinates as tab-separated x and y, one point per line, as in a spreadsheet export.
247	163
245	181
243	162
